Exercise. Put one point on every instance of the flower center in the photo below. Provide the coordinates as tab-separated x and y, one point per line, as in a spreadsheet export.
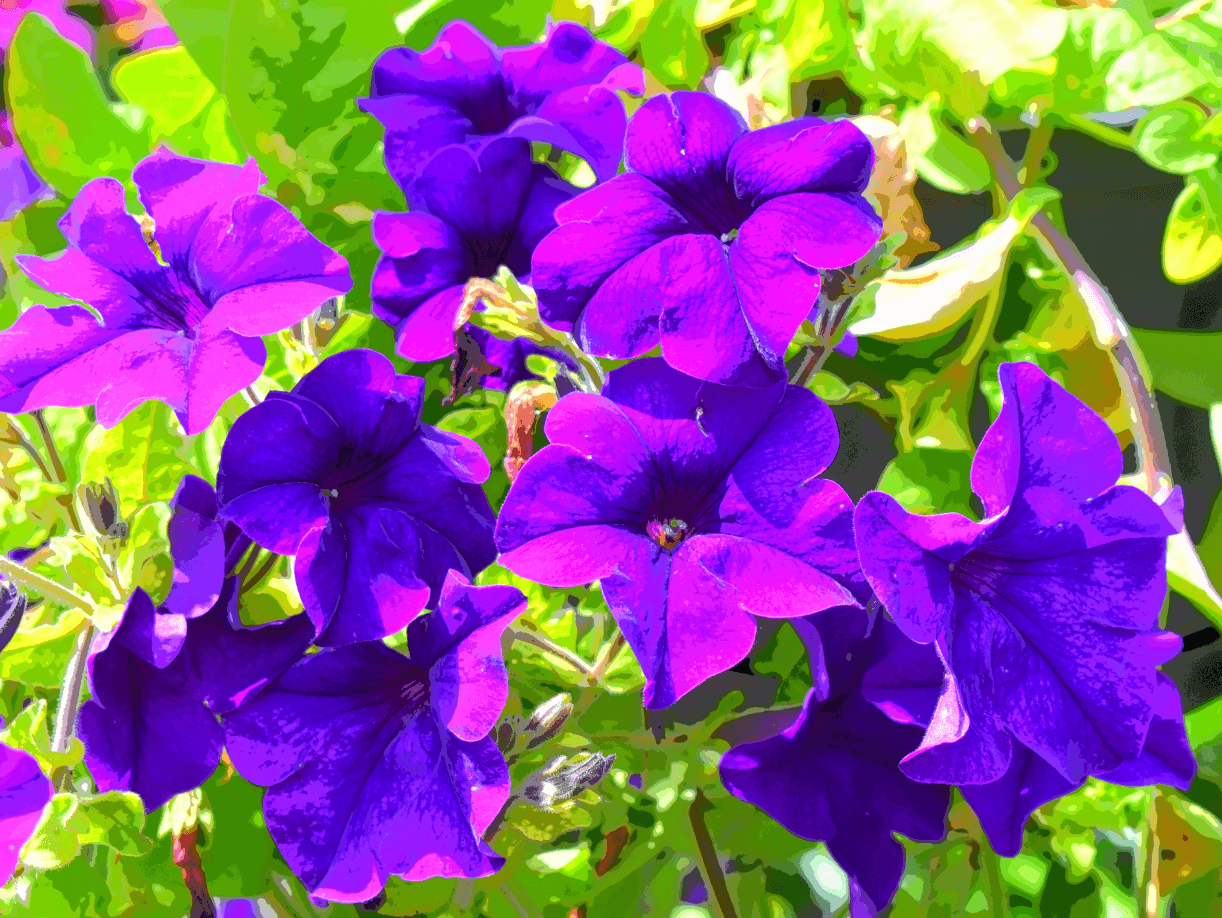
667	533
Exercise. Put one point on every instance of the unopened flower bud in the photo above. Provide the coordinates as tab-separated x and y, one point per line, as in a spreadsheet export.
505	734
101	506
563	779
12	607
327	314
547	719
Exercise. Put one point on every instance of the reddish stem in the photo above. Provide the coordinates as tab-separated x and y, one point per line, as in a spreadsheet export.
186	856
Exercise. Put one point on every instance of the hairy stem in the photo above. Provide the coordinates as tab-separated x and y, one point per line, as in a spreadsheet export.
710	867
1110	329
19	573
983	322
53	453
994	885
1033	156
24	442
69	701
186	856
544	643
606	656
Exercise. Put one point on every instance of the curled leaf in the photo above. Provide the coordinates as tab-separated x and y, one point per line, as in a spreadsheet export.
914	303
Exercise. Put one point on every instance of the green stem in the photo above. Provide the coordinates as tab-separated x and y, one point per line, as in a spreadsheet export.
69	701
1102	132
1033	156
547	644
714	878
1151	897
995	886
1110	329
606	656
52	452
48	588
24	442
984	322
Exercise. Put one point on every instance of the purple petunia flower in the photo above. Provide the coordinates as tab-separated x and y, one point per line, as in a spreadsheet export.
696	505
833	774
711	244
160	677
1045	613
181	318
72	28
382	764
478	210
24	791
376	506
463	90
906	683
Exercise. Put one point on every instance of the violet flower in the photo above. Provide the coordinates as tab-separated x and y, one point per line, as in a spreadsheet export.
711	244
376	506
833	775
906	682
24	792
477	210
463	90
159	678
696	505
380	764
1046	612
182	314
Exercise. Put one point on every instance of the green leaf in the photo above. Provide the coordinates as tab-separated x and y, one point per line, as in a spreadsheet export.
60	114
183	105
405	898
1166	139
932	480
55	841
292	73
1187	576
201	26
956	48
942	157
815	35
1151	72
1192	243
1185	364
115	819
506	22
672	47
238	853
140	455
38	654
74	890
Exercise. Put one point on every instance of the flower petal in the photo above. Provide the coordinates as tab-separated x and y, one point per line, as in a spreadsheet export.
806	154
222	364
24	792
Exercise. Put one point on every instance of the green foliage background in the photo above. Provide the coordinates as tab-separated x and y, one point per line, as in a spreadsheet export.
277	81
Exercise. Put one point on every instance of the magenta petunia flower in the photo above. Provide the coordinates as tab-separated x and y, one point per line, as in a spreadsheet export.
711	244
24	791
380	764
376	506
696	505
833	774
906	682
72	28
181	318
476	211
1046	612
159	678
463	90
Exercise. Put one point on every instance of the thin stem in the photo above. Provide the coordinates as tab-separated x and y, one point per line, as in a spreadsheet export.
1153	856
24	442
1110	329
257	577
812	360
994	885
48	588
1104	133
545	643
710	867
69	701
252	396
606	656
52	452
1033	156
984	322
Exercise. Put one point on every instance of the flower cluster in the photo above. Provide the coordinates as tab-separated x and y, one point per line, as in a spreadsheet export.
1012	657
